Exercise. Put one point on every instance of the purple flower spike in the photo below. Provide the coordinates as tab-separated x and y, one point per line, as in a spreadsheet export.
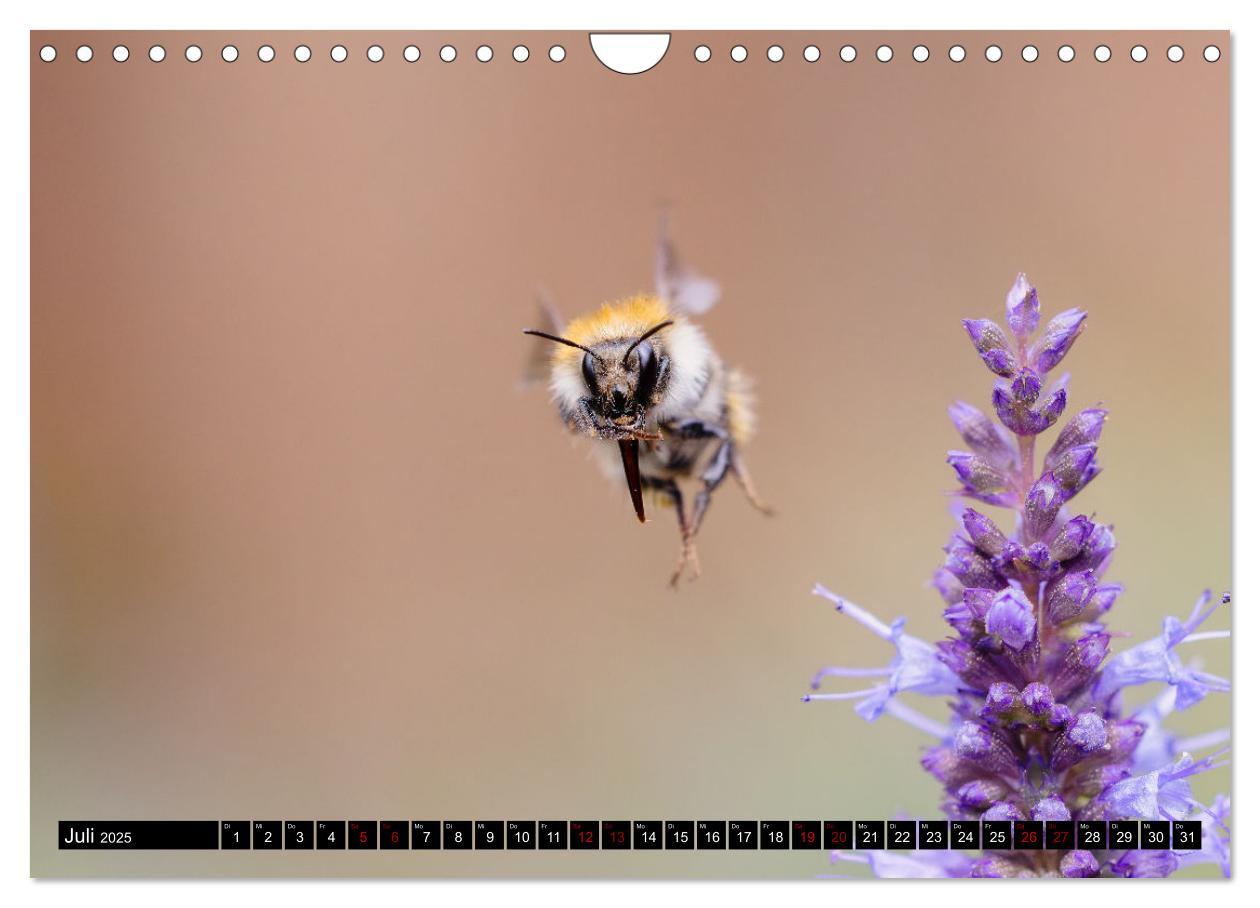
1023	312
1077	864
991	344
1038	725
1058	339
1011	619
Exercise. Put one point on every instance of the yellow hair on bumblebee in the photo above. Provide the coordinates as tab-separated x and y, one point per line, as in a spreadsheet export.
739	406
615	321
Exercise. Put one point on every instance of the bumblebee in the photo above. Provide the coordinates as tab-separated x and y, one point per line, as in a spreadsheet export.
640	378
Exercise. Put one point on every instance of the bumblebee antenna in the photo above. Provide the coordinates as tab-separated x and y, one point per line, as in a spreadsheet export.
567	342
626	359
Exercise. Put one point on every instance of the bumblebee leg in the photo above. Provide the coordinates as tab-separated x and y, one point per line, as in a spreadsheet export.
712	477
746	485
688	554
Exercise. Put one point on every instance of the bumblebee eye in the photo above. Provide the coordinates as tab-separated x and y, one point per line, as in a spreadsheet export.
588	373
649	373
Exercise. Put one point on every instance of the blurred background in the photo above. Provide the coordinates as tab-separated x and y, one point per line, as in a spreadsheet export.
302	548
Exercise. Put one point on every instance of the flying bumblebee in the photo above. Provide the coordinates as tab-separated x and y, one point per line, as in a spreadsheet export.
640	378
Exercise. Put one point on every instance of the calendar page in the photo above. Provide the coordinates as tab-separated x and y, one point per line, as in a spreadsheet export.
592	455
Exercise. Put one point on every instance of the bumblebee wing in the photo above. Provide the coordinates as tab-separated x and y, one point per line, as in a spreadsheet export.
538	360
686	291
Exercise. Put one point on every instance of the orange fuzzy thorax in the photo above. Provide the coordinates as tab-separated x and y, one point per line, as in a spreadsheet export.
621	320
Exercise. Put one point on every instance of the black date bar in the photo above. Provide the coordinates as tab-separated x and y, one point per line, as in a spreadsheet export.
122	835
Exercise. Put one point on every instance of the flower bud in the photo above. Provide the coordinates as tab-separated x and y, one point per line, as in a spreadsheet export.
1037	699
970	567
1042	506
1026	386
983	532
1079	663
1078	864
1011	619
946	766
947	585
991	344
1104	598
1082	429
1054	343
1123	737
1084	736
1001	698
1023	311
979	794
977	744
1068	596
977	475
981	435
1003	810
1048	413
1075	468
972	666
1051	808
1098	548
1071	538
1060	715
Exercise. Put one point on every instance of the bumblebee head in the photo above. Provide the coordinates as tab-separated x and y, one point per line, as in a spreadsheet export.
623	379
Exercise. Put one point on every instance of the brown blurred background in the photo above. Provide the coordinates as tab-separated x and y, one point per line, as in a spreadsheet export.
301	548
